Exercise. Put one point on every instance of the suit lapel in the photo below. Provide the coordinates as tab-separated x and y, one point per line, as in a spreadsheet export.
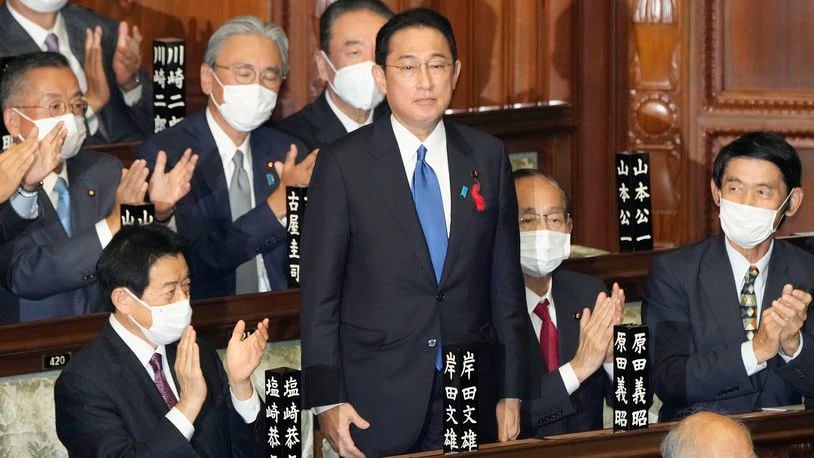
565	305
778	275
263	174
133	375
14	36
333	127
76	34
84	196
210	166
460	174
721	292
388	176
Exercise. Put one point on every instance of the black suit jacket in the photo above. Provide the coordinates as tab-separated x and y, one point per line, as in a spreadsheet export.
123	123
107	405
11	224
219	245
691	306
51	275
548	409
316	125
371	307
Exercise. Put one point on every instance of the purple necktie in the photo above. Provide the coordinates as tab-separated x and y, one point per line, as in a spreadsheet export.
52	42
161	382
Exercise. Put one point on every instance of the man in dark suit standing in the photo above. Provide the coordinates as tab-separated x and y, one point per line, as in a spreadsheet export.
411	243
569	340
105	57
235	213
729	314
138	390
351	99
52	264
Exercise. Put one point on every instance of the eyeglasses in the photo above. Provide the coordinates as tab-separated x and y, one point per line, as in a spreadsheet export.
60	107
410	69
245	74
554	220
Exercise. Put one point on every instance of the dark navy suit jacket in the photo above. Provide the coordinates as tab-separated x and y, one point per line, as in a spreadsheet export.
548	409
107	405
691	306
219	245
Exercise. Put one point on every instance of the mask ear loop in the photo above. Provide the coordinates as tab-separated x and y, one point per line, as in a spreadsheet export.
784	209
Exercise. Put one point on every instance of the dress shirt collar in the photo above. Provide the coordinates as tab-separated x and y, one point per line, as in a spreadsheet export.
740	264
436	142
532	299
50	181
226	147
349	124
37	33
138	346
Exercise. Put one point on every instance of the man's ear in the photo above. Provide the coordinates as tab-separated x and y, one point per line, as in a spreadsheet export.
322	66
207	80
122	300
716	193
12	120
381	80
795	201
456	72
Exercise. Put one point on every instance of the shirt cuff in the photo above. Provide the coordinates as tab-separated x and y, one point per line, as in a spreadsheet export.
247	409
132	96
25	205
787	358
104	233
318	410
181	423
93	122
284	222
750	360
569	378
608	370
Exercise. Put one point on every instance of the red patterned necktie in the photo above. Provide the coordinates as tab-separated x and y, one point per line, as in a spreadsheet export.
549	340
161	381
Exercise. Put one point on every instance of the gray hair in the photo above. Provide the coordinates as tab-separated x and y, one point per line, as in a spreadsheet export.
681	442
246	25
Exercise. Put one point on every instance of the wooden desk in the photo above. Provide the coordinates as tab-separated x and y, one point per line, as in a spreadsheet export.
774	434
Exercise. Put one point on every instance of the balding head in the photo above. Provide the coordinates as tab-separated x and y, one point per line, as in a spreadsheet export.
707	434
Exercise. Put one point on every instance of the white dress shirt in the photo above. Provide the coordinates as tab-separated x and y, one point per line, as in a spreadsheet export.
247	409
39	34
227	149
740	265
349	124
49	182
567	374
25	205
436	144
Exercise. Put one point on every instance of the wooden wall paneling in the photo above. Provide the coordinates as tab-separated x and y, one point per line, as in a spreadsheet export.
489	54
300	20
655	99
525	28
460	15
556	66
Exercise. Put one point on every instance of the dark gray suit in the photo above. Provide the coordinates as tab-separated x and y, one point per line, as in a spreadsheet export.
50	274
691	306
548	409
121	122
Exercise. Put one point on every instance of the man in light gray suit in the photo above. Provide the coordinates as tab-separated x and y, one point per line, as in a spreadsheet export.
117	88
52	264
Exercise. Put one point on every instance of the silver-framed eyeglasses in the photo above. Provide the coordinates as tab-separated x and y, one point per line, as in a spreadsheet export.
554	220
435	67
246	74
59	107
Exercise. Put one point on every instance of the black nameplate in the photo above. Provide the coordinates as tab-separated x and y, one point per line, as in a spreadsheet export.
137	214
55	360
631	382
283	413
296	201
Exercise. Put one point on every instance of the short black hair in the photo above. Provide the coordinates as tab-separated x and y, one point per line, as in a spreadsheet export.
127	259
534	173
767	146
18	68
340	7
416	17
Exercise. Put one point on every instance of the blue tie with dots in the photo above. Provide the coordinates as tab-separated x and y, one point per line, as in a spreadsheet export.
63	204
430	208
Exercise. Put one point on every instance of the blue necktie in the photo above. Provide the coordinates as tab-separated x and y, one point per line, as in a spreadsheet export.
63	204
430	208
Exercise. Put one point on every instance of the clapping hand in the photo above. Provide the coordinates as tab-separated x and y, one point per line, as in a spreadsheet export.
168	188
243	356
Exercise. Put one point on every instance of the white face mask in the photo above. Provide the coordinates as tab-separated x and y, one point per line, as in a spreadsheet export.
245	106
169	321
44	6
745	225
542	251
75	125
355	84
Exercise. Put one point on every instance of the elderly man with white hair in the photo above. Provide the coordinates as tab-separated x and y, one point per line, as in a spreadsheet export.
234	212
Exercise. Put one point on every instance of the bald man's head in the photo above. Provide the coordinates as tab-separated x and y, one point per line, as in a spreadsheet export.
707	434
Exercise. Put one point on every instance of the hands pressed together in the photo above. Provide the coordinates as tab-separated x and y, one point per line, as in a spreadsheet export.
780	324
596	333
